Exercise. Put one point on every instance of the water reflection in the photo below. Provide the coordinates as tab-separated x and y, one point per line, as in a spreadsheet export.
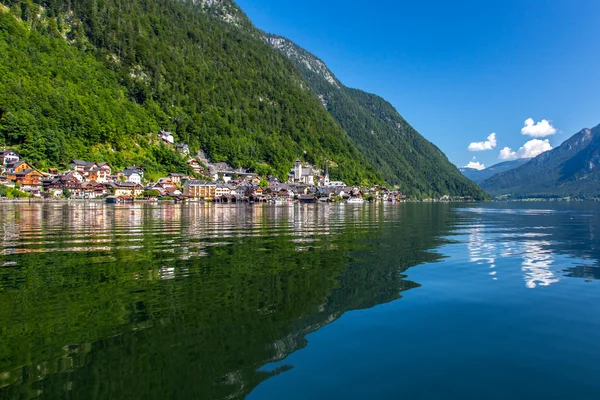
208	301
169	301
535	235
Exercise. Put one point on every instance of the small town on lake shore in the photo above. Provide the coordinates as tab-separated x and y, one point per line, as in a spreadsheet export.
90	180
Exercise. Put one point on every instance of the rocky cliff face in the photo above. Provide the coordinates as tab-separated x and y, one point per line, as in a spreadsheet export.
310	62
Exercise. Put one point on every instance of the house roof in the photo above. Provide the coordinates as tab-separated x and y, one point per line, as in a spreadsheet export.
127	185
26	172
16	164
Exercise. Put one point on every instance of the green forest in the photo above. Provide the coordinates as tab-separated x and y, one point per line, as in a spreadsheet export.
90	79
97	79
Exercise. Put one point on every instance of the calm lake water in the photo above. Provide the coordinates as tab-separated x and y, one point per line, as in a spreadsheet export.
385	301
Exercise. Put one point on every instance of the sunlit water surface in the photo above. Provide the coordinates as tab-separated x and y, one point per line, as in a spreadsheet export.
385	301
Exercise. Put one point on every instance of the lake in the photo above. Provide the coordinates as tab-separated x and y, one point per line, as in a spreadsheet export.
203	301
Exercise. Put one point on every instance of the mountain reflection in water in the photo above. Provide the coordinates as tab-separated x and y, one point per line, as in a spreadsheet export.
154	301
210	301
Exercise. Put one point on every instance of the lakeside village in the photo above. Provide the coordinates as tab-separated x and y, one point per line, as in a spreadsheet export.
88	180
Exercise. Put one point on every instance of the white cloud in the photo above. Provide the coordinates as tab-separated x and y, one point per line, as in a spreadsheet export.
531	149
542	129
489	144
475	165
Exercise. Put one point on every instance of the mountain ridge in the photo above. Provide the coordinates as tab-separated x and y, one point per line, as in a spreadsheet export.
478	176
404	157
569	170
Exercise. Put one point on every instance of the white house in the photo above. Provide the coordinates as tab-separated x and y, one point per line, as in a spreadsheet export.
8	157
166	136
132	176
222	190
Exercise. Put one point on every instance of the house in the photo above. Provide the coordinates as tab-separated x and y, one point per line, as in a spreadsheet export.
132	176
336	184
88	190
80	165
237	191
72	175
104	172
200	189
29	177
284	194
126	189
93	190
183	149
99	172
17	167
222	190
176	178
8	157
137	168
196	166
70	181
173	192
166	137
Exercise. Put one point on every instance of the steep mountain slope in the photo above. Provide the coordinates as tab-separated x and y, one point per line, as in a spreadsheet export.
91	78
572	169
479	176
403	156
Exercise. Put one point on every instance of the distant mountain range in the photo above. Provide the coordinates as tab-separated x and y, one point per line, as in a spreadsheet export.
570	170
480	175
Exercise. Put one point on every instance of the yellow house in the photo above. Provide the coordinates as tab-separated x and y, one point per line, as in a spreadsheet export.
200	189
125	189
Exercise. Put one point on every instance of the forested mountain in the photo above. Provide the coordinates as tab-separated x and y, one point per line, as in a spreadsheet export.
395	148
479	176
93	78
570	170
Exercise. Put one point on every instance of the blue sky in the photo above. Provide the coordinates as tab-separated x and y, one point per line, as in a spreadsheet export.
459	71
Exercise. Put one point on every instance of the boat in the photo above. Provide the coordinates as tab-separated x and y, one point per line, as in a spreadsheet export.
355	200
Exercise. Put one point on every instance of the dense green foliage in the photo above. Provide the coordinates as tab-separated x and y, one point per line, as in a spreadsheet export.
404	157
90	79
570	170
12	193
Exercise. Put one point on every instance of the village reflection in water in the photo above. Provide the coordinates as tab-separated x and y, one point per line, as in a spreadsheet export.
193	300
221	289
